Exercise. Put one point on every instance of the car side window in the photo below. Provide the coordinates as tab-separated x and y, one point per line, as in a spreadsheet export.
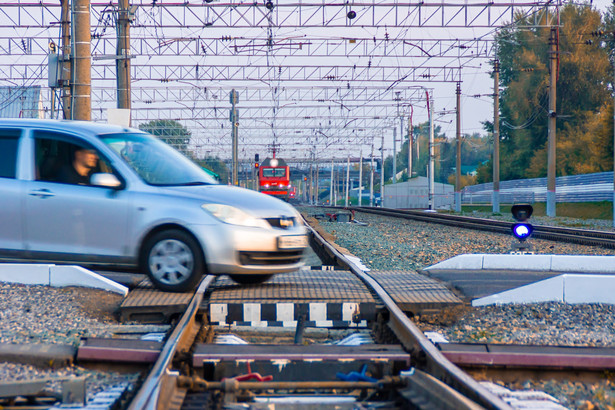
8	153
59	160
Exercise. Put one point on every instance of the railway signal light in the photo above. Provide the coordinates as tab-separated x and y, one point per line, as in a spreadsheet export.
522	230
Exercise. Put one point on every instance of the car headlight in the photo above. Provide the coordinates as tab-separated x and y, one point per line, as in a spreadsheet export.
234	216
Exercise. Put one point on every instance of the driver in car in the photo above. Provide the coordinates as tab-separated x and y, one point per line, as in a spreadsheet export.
79	170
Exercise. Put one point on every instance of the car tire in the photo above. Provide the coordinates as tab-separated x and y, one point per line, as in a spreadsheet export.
173	261
250	279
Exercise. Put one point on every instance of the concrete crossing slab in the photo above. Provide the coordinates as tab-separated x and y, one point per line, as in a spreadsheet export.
490	278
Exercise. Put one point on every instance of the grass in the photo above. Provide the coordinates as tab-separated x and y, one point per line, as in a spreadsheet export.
580	210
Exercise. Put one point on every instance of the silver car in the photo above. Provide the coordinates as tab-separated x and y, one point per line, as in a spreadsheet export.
99	195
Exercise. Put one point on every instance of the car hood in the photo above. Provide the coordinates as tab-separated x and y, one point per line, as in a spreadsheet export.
252	202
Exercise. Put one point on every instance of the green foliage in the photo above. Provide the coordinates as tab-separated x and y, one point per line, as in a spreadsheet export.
171	132
216	165
475	149
582	104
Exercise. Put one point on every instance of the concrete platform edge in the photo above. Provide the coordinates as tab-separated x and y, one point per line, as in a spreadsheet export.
57	276
543	263
567	288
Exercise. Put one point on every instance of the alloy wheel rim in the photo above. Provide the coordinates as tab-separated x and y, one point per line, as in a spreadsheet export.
171	261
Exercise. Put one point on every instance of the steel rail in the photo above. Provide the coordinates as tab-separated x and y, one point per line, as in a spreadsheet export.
147	397
413	340
573	235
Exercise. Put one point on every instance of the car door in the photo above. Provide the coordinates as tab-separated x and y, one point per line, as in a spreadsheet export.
68	221
11	235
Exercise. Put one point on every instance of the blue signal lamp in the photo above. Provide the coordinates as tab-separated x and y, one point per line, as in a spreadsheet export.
522	231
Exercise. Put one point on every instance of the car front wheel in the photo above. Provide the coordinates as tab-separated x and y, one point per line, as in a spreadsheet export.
173	261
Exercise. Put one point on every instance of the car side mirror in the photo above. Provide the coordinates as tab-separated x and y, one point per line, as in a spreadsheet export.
105	180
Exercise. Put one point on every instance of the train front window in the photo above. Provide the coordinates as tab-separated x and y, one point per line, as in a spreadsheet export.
274	172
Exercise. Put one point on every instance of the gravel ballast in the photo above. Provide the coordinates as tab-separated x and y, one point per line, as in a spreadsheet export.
386	243
48	315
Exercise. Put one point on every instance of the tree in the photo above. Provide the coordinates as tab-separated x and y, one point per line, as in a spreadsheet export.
171	132
582	96
217	166
475	149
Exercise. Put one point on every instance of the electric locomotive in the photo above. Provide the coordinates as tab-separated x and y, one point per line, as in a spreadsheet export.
274	178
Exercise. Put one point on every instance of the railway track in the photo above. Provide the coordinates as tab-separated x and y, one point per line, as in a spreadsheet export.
410	373
182	377
397	368
571	235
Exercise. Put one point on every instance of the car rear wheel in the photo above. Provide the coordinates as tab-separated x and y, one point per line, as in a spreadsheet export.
250	279
173	261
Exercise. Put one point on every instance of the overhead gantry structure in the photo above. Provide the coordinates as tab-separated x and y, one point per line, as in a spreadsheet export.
314	79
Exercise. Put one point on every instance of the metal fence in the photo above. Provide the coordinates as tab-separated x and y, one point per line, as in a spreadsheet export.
573	188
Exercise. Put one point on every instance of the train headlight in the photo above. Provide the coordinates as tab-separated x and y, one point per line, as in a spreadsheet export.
522	231
266	185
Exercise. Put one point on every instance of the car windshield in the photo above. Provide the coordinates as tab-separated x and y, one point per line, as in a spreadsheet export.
156	162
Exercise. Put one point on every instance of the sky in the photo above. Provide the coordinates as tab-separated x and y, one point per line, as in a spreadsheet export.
476	83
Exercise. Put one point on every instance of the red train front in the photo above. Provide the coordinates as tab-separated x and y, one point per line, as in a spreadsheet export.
274	178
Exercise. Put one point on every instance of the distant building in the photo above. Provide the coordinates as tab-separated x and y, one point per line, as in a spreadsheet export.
414	194
21	102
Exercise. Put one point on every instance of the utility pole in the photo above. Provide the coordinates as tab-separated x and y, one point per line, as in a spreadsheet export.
382	173
410	132
614	145
122	62
431	154
331	186
347	181
495	200
394	166
458	159
65	61
311	191
371	177
336	186
317	182
82	61
234	97
360	179
401	133
551	124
